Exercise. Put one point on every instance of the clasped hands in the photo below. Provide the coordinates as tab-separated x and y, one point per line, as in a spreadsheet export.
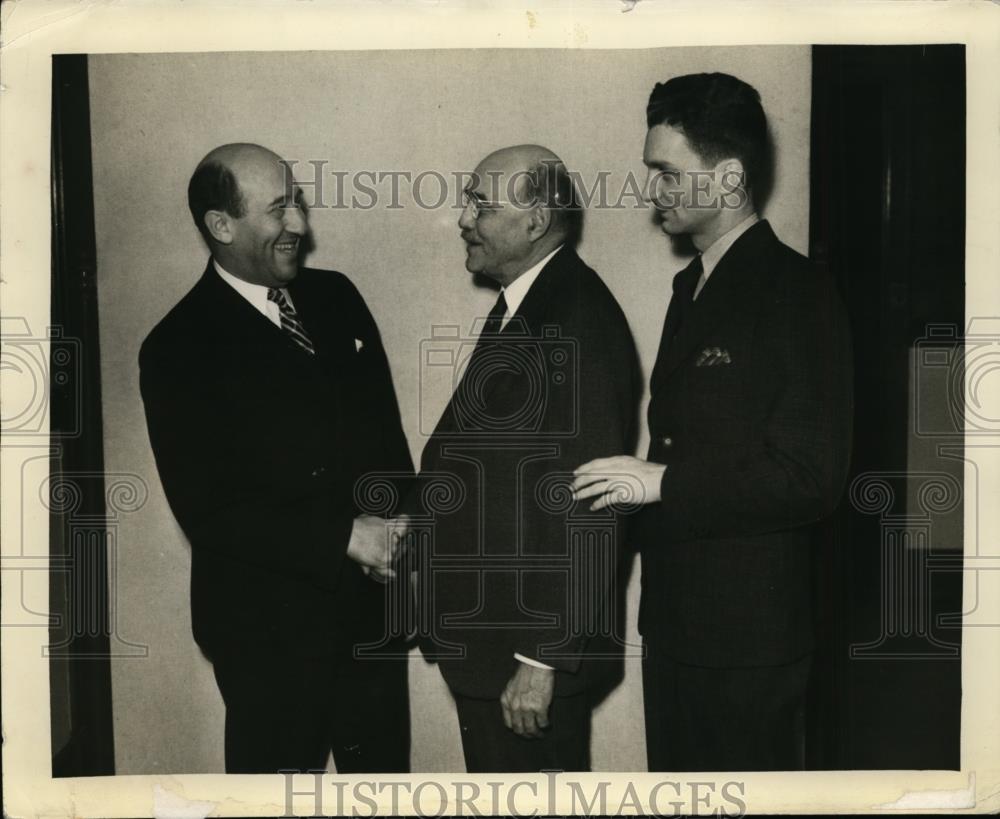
375	544
621	480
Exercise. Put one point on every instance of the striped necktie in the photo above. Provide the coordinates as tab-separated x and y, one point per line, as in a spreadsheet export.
290	321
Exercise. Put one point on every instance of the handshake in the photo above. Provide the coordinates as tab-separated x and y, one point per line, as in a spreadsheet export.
379	545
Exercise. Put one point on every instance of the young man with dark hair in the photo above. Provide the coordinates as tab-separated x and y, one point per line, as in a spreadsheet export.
750	430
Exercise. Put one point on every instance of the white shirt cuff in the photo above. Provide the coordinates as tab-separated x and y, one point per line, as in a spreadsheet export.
529	661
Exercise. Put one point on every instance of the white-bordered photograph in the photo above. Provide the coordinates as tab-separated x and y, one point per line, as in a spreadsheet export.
498	411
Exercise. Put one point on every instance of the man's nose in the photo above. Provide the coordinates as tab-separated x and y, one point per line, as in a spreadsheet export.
466	221
295	221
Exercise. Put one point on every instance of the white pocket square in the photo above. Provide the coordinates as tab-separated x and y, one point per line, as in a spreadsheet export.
358	344
712	356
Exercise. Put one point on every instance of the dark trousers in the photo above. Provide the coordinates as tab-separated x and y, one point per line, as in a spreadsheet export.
723	719
290	713
491	747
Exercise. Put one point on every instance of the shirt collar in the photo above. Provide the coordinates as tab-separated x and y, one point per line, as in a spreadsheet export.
256	294
714	252
515	292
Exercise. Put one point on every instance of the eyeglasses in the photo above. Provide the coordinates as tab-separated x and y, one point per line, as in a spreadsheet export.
476	204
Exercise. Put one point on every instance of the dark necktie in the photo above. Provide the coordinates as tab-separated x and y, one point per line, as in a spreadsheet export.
687	281
695	270
487	339
494	320
290	321
680	306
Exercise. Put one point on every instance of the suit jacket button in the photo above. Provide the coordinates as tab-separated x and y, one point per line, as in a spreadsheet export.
667	441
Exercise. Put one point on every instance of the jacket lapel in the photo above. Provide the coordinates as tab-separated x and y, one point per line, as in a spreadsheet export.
232	314
250	336
525	323
328	331
680	304
723	299
534	307
530	315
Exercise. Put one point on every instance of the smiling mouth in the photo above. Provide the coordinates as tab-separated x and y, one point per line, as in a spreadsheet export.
288	248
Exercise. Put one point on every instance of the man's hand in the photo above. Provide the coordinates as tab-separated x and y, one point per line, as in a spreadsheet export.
374	543
526	699
621	480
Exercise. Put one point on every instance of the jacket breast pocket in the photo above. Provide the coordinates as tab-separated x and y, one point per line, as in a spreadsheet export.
718	390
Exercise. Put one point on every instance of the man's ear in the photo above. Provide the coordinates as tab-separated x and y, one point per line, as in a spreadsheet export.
219	224
539	221
730	175
731	184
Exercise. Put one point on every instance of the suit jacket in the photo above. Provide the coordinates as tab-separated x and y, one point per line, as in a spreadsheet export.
756	445
259	446
513	565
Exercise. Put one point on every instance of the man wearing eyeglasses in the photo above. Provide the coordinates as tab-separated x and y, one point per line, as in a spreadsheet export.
750	437
520	579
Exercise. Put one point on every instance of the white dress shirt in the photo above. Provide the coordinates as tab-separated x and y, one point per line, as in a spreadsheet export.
713	253
256	294
515	292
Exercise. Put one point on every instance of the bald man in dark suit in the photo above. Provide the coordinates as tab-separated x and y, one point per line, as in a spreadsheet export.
519	578
268	395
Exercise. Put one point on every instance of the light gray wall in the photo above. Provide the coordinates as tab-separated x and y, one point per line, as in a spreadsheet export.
155	116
